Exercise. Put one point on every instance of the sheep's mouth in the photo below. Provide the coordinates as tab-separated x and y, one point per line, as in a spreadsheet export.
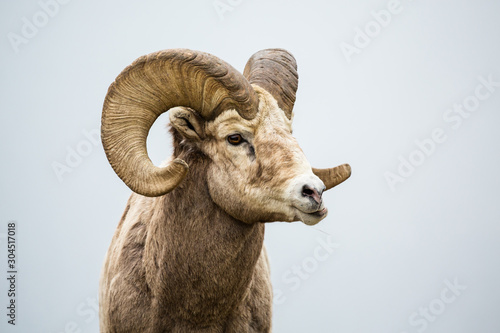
312	218
321	212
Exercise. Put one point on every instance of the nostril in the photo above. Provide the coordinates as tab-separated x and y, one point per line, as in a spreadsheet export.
307	192
312	193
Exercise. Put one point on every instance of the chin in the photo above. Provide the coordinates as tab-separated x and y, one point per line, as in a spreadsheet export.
312	218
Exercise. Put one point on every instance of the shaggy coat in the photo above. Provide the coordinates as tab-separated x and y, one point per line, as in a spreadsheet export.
188	253
205	270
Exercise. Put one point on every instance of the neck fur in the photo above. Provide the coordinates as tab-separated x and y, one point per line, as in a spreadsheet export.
204	259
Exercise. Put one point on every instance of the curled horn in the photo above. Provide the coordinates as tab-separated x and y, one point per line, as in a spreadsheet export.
333	176
275	70
152	85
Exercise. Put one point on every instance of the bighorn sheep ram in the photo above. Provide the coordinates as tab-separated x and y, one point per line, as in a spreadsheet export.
188	253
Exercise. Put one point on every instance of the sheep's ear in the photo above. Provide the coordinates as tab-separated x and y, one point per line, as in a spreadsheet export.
187	122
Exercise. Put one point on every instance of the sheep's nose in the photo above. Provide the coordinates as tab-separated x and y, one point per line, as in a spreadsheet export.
312	192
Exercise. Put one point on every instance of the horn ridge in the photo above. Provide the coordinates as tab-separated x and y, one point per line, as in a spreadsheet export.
152	85
333	176
275	70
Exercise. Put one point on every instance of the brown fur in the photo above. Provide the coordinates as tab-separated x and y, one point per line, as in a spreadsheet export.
193	260
178	263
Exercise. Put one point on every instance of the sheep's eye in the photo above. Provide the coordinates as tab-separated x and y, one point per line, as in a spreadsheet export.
235	139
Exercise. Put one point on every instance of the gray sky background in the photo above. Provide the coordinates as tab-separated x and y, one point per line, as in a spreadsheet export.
407	92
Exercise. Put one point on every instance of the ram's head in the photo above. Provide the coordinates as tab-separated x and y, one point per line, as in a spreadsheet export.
241	124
